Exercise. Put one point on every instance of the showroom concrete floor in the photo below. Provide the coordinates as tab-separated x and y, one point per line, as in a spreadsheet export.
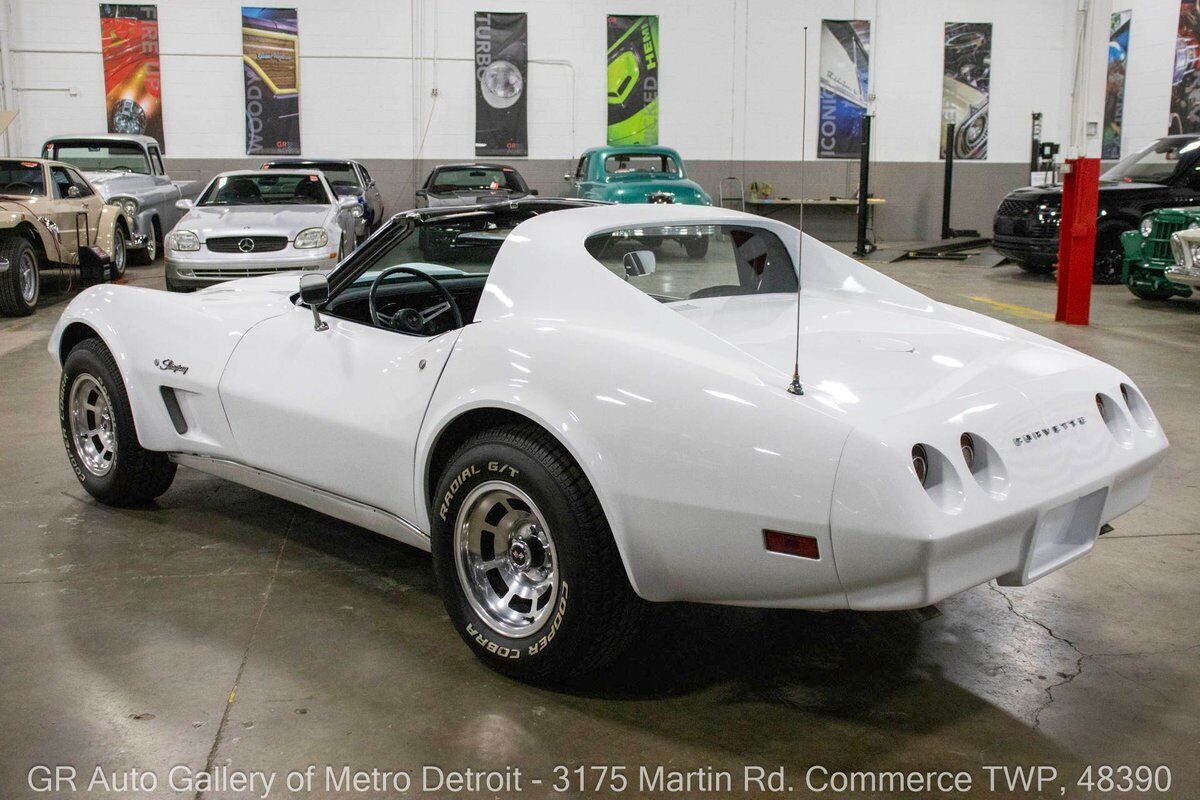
226	628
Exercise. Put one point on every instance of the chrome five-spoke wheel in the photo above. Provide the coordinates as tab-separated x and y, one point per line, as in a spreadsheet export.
506	560
29	277
93	428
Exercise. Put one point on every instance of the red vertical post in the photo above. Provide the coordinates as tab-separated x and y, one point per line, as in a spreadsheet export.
1077	239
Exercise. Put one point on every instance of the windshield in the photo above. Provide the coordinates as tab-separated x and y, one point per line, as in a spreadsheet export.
640	164
1155	164
339	175
459	179
100	156
692	262
22	179
263	189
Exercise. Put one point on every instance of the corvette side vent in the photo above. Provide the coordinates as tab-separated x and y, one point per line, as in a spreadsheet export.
173	409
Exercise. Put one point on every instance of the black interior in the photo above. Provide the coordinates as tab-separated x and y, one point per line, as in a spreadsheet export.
411	293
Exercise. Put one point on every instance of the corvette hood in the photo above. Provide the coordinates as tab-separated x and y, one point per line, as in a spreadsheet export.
883	360
285	220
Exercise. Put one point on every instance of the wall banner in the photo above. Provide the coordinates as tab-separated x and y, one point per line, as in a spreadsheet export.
132	86
1185	82
271	66
501	83
1114	92
966	81
845	61
632	80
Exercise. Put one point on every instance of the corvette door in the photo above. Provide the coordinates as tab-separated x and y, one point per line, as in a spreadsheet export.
338	409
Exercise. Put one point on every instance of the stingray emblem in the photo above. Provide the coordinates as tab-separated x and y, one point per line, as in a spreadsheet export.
1043	433
167	365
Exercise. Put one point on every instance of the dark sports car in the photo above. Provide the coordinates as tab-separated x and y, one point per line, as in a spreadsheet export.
471	184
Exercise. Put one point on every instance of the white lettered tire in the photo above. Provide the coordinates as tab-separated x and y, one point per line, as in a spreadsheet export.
525	560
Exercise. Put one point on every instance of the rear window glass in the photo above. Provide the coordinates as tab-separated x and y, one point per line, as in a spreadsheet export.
632	163
692	262
22	178
457	180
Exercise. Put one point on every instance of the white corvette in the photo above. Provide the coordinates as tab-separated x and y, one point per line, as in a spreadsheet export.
574	425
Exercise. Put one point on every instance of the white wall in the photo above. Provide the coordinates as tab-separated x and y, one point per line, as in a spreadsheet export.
729	73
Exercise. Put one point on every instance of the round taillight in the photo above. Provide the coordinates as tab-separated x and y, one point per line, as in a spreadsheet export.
920	462
967	443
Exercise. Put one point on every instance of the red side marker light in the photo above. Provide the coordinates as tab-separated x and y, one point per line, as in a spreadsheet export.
791	544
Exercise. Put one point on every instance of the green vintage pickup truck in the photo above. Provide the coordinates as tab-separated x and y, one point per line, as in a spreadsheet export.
1148	253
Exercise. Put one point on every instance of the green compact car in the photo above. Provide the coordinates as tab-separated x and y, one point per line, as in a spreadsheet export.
1147	252
639	174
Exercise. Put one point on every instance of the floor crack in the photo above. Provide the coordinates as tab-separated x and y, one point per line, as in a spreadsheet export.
1065	677
212	753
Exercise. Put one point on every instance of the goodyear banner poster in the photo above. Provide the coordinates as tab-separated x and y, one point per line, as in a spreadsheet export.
966	80
632	80
845	61
271	65
132	87
501	67
1185	82
1114	92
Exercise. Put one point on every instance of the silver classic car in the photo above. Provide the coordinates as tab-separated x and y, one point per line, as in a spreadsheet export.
256	222
1185	247
127	170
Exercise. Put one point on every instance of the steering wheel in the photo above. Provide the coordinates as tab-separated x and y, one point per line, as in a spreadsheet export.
410	319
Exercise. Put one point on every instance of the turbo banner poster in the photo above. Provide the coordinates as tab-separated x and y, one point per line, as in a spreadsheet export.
501	69
632	80
271	66
845	58
1185	82
132	86
1114	92
966	80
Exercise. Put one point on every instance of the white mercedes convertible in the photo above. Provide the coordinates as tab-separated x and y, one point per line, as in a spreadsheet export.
575	424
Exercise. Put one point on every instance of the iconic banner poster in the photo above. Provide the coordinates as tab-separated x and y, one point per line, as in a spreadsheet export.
501	53
271	66
966	78
632	80
1185	83
132	86
845	57
1114	92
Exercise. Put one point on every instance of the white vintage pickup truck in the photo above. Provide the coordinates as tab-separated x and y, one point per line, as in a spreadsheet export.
128	171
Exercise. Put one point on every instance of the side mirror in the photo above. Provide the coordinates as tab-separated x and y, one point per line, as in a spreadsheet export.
638	263
422	193
566	176
314	292
185	204
74	193
533	192
347	201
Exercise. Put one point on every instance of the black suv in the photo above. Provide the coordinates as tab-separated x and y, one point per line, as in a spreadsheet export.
1167	173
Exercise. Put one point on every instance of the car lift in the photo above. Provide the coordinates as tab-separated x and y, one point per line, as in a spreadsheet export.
955	244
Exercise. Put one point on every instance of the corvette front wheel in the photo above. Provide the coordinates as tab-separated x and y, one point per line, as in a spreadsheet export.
525	560
98	431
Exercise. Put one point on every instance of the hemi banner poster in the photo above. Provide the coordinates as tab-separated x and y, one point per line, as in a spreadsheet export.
966	80
271	66
845	58
632	80
1185	82
132	86
501	67
1114	92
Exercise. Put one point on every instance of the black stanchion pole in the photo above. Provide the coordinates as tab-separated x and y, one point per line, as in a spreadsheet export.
864	174
949	179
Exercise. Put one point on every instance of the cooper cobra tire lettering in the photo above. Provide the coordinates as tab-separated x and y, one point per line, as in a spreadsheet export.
490	646
555	621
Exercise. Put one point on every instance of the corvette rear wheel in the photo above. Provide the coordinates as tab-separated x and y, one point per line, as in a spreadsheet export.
99	434
525	560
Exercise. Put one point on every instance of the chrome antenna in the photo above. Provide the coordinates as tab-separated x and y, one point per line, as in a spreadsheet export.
794	387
